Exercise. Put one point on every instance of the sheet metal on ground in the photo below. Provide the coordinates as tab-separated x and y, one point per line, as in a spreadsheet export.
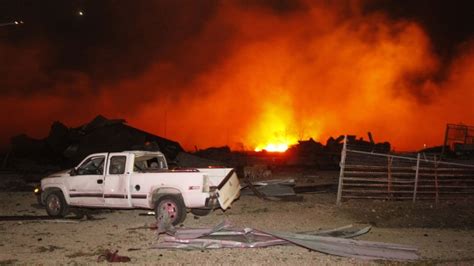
332	242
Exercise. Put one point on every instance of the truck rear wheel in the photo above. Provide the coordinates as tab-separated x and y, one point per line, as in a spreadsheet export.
56	205
173	207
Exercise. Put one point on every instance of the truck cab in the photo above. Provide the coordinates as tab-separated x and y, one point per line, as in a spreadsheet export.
138	179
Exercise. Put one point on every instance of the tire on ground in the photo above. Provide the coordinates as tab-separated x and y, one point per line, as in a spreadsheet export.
56	205
175	207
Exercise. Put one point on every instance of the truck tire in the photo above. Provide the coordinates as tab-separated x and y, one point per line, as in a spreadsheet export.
174	206
56	205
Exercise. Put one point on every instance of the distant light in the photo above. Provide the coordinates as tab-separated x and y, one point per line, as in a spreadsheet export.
80	13
17	22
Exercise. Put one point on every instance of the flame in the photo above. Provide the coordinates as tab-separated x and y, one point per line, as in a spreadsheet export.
273	131
256	79
279	147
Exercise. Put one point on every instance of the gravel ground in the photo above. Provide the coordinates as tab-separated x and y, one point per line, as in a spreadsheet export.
423	225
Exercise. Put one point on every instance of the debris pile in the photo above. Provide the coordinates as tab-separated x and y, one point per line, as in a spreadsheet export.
65	147
334	242
313	153
277	189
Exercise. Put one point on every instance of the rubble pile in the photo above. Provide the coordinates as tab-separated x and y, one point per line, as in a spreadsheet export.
65	147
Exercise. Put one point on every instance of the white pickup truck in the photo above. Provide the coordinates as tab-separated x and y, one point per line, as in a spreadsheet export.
139	179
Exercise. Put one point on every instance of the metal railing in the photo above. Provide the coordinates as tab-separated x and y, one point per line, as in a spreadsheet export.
370	175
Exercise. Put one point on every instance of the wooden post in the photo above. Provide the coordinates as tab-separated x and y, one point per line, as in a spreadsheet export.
5	160
415	188
389	177
445	141
436	180
342	164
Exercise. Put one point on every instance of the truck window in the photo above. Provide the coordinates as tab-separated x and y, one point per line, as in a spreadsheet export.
92	166
117	165
147	163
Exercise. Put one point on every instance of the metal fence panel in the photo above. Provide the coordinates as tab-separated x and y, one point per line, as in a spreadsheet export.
370	175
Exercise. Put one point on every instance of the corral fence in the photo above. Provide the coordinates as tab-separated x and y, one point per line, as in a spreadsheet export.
459	138
371	175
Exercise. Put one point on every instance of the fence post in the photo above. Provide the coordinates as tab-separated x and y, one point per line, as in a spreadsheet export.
342	165
389	177
415	188
436	180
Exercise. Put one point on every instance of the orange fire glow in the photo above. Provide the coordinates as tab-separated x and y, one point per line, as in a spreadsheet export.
280	147
318	73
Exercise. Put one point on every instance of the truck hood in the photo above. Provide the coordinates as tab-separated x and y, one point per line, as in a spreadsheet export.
54	178
62	173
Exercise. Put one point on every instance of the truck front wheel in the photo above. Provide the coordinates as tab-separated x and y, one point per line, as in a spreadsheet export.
56	205
171	206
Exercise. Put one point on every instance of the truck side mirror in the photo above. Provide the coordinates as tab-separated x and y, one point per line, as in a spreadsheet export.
72	172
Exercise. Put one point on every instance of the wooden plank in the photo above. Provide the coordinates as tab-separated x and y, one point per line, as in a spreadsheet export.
412	168
349	173
397	186
402	197
371	173
406	191
374	191
341	172
418	159
395	180
371	167
375	185
436	181
389	175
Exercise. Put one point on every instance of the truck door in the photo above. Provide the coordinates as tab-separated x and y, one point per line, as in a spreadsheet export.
117	182
86	184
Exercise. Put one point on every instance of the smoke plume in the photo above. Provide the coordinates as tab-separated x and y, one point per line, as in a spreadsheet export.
238	73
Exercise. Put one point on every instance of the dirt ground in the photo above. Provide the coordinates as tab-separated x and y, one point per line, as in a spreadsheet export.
444	234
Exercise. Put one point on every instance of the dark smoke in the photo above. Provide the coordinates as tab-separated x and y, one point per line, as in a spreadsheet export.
113	41
127	59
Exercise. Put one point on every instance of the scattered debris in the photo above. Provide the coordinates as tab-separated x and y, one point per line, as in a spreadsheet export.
332	242
314	188
278	189
112	257
257	172
163	223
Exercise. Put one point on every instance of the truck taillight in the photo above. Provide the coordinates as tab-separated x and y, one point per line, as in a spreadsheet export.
205	184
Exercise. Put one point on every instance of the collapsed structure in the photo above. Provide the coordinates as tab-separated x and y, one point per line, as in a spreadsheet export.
65	146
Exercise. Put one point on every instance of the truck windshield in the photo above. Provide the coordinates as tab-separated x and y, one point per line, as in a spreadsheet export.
147	163
92	166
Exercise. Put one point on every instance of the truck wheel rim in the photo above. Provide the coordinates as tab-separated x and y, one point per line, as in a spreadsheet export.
53	204
171	208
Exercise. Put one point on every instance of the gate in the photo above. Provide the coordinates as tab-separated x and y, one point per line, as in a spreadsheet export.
371	175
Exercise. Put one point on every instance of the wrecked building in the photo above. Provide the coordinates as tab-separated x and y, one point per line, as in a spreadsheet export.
67	146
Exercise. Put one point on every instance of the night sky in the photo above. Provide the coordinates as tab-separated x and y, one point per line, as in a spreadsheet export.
73	50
